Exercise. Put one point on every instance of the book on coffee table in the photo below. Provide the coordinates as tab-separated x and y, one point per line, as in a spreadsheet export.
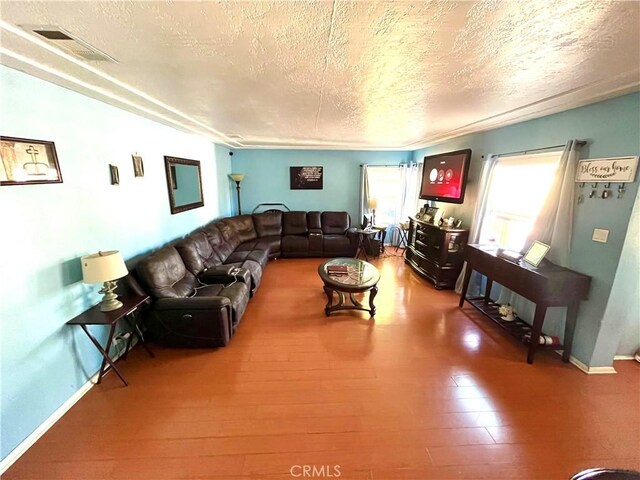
337	270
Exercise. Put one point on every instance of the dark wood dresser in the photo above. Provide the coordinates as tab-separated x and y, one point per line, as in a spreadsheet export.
436	253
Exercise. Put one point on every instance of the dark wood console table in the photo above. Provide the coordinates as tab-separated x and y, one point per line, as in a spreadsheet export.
547	285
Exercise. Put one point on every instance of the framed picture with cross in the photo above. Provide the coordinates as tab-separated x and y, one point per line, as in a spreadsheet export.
26	162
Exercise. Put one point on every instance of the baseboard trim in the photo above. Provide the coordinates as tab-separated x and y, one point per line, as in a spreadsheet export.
28	442
591	370
624	357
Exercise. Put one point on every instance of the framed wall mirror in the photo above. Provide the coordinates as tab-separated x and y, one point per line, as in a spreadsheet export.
184	183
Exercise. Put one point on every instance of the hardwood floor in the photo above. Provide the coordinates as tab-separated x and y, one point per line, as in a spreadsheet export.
424	391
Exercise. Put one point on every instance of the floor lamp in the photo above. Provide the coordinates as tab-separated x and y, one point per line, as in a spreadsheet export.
237	177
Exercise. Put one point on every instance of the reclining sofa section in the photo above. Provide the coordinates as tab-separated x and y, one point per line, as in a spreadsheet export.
201	285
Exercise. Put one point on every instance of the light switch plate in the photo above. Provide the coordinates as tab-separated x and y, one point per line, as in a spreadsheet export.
600	235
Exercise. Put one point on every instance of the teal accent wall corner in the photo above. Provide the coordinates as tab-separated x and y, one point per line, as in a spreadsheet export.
267	177
46	228
611	128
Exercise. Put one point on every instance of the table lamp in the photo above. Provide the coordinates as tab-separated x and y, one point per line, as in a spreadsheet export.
237	177
105	267
373	204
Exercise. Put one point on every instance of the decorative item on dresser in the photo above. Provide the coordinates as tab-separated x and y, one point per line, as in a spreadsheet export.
436	253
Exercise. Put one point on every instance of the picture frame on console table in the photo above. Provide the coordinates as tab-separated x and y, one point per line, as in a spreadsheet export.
536	253
28	162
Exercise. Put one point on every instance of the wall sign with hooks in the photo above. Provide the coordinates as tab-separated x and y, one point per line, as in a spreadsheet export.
607	170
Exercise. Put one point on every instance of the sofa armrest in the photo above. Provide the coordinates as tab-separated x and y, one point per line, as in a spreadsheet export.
194	303
315	231
225	274
220	269
353	238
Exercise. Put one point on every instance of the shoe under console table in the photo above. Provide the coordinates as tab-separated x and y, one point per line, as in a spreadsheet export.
436	253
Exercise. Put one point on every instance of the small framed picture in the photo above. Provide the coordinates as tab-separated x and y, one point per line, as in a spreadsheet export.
536	253
115	176
138	166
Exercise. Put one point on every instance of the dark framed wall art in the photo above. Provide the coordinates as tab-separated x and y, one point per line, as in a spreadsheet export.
305	178
26	162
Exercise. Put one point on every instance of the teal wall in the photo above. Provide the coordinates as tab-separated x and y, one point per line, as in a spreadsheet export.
46	228
611	128
267	177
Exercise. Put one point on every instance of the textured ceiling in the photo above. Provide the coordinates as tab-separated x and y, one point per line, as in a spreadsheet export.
336	74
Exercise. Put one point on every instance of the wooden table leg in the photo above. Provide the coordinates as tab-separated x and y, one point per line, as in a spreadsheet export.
538	321
329	292
372	294
361	249
465	284
135	330
105	356
569	328
487	292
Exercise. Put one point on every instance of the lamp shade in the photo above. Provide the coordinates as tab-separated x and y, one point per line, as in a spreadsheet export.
373	203
103	267
237	177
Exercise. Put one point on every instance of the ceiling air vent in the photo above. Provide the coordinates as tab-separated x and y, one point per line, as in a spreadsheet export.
66	41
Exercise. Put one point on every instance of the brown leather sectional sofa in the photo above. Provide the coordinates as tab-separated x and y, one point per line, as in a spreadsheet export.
201	285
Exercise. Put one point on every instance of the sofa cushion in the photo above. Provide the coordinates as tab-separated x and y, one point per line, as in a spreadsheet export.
243	225
335	223
259	256
271	244
337	245
238	295
197	253
268	224
313	222
213	235
295	246
247	246
229	234
294	223
164	274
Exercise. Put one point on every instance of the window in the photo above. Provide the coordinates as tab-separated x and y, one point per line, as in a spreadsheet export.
385	185
517	191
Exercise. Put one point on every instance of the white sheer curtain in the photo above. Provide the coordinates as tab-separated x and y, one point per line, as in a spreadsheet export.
395	188
478	215
364	194
411	182
553	226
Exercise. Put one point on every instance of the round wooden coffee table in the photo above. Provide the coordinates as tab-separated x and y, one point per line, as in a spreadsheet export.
359	277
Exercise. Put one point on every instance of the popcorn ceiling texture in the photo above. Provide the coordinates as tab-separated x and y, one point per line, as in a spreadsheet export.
346	74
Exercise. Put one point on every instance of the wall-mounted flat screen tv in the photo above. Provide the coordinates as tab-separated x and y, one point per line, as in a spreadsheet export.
444	176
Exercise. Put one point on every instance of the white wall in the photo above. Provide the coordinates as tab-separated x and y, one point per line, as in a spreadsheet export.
46	228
